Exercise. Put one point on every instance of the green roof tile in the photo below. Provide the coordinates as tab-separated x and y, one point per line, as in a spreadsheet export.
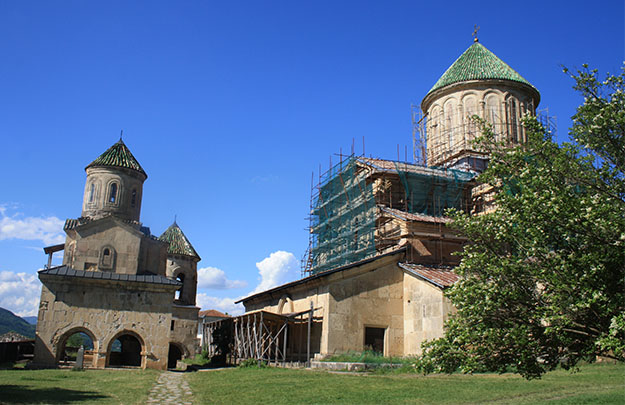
178	242
478	63
118	155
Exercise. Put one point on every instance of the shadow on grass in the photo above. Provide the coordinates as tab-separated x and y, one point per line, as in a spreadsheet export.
19	394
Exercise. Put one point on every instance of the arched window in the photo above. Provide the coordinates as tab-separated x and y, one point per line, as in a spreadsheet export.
133	198
180	277
107	258
113	193
514	131
91	192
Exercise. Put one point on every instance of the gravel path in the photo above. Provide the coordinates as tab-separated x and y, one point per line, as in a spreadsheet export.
170	388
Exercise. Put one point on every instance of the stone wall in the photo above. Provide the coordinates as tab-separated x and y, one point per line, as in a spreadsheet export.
185	328
425	310
104	310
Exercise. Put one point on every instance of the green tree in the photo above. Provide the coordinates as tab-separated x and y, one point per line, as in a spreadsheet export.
543	279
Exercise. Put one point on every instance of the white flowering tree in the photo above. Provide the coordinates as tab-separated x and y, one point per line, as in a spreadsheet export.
543	279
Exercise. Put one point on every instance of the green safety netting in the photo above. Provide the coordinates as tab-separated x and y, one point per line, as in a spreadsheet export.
344	213
431	191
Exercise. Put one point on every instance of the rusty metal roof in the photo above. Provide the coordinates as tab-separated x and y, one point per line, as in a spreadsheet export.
440	276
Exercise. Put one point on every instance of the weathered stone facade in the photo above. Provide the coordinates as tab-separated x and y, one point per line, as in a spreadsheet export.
118	283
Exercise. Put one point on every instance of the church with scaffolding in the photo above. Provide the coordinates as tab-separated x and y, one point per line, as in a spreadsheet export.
381	253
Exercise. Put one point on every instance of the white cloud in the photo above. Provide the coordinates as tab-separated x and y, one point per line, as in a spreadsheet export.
47	229
212	277
20	293
221	304
276	269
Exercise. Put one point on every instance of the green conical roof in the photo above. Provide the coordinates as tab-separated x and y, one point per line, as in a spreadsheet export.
478	63
118	155
178	242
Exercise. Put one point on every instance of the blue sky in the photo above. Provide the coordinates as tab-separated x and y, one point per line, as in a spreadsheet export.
231	106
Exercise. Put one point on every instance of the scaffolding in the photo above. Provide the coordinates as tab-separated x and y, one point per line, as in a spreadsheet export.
446	139
346	221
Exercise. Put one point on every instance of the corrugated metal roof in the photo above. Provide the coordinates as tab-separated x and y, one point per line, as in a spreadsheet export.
118	155
441	276
65	271
478	63
178	242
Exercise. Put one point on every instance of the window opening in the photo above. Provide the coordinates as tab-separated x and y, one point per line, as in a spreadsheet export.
113	193
133	198
91	192
180	277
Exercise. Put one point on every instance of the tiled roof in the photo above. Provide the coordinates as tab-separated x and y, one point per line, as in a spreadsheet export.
118	155
14	337
383	165
178	242
407	216
440	276
213	313
103	275
478	63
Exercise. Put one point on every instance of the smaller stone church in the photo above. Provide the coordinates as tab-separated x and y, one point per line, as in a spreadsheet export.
130	292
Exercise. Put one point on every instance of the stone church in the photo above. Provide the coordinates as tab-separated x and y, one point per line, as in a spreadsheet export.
381	253
131	293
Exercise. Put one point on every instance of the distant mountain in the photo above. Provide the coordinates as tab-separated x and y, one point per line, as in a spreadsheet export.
9	322
30	319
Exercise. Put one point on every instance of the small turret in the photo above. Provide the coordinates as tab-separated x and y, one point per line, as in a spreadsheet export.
182	262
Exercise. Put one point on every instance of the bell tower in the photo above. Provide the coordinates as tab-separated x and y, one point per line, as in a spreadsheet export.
114	185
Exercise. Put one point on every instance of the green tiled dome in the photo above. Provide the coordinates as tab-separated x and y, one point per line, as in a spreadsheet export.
478	63
118	155
178	242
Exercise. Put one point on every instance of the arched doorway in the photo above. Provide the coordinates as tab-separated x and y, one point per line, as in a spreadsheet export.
125	350
175	354
69	345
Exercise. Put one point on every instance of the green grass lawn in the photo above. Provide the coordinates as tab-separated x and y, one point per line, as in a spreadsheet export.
73	387
594	384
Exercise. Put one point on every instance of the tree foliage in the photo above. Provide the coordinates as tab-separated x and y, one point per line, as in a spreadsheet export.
543	279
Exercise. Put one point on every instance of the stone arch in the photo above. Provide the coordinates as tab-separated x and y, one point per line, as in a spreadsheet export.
284	300
61	341
177	351
187	276
132	353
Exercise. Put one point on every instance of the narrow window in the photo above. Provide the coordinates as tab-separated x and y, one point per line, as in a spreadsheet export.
133	198
91	192
513	121
180	278
113	193
172	325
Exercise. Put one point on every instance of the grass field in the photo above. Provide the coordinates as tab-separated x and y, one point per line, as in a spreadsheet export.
594	384
75	387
